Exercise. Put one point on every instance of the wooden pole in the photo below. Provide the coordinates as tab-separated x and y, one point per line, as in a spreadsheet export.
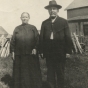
78	44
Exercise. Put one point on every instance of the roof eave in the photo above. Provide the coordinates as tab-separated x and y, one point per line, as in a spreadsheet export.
75	8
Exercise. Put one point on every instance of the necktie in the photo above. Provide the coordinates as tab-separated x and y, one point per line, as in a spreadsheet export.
51	37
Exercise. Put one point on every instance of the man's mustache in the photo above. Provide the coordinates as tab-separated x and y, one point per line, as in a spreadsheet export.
53	13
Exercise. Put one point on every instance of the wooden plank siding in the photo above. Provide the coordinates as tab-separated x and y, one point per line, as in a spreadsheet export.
77	16
77	12
79	30
74	27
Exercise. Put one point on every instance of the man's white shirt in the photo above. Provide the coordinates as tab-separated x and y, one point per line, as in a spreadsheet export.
51	36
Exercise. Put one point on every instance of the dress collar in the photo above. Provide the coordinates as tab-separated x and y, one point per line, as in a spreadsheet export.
23	24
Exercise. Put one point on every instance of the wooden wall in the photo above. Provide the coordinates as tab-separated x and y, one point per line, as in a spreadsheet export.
77	12
77	27
74	27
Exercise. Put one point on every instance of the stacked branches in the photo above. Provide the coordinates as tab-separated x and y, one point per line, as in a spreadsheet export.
4	47
77	46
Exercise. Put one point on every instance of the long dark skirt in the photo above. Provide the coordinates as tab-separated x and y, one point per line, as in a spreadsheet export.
26	72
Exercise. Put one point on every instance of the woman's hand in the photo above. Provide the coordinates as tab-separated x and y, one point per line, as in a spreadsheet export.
12	55
68	56
34	51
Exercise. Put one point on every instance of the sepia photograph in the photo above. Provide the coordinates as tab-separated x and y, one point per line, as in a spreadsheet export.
43	43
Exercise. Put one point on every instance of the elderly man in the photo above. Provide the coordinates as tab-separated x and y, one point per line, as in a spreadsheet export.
55	44
26	72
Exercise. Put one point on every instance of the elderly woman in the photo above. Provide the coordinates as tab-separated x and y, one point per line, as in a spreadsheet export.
26	71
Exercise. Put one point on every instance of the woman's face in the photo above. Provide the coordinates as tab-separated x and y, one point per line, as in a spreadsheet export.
25	18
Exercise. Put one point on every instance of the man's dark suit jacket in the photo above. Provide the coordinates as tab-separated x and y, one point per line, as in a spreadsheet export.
62	37
24	39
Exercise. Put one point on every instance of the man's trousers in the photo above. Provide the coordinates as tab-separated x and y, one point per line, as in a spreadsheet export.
55	70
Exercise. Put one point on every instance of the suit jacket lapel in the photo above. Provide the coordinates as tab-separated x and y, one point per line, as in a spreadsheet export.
49	25
57	25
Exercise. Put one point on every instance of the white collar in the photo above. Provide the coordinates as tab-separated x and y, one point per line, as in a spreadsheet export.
53	20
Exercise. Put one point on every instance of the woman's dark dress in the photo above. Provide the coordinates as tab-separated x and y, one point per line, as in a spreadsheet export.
26	70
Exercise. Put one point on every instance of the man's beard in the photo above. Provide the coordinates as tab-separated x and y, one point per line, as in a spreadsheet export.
52	17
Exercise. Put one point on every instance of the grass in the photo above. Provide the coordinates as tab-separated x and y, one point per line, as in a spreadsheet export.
6	65
76	71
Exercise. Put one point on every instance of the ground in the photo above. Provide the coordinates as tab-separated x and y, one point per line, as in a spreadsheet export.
76	71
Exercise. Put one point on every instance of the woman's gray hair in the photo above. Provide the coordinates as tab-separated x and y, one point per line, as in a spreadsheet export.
26	13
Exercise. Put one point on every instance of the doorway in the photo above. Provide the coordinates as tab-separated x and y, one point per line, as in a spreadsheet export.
85	29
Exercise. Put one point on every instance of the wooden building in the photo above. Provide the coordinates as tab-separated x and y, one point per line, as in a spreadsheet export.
3	32
77	16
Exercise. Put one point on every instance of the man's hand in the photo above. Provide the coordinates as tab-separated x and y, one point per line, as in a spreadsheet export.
34	51
41	55
68	56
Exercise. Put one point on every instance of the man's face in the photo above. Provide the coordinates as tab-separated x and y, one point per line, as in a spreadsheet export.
53	11
25	18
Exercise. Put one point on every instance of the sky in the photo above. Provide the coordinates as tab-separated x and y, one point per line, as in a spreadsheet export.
10	12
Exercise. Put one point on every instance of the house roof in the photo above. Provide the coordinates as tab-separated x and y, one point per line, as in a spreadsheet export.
78	18
2	31
5	35
8	36
77	4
